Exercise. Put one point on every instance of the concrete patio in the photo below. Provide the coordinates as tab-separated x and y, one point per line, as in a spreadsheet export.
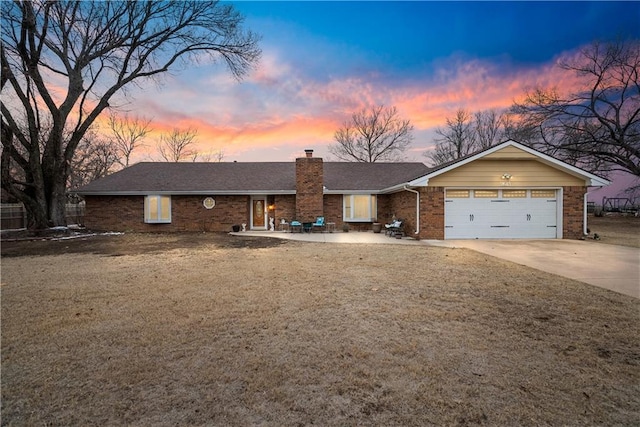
367	237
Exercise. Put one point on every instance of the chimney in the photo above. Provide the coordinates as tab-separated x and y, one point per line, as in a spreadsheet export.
309	187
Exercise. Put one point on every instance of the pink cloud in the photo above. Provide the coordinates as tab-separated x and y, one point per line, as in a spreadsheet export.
279	106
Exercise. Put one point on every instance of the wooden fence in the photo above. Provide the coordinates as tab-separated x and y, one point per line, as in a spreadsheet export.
14	216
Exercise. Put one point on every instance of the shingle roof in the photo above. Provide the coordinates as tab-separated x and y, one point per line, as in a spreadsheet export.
370	176
246	178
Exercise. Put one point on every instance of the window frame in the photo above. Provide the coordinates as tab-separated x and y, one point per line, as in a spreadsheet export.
147	209
348	204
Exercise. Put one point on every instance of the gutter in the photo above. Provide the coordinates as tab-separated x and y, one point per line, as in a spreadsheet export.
406	188
185	193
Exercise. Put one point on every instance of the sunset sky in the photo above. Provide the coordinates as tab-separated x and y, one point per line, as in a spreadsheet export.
324	60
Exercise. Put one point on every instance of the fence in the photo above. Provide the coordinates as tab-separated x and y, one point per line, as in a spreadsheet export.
14	216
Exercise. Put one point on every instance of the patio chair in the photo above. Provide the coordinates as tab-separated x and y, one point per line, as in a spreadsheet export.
295	226
394	229
319	224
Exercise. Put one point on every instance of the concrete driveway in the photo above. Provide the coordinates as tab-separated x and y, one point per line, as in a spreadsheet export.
609	266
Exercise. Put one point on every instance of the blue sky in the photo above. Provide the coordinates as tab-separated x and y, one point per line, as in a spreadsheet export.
409	35
324	60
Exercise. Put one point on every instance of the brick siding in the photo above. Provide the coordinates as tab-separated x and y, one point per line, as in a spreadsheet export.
573	212
403	206
285	208
126	213
432	213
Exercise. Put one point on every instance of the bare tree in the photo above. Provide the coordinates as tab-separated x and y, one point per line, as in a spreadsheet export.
456	140
128	134
218	156
489	128
374	134
178	145
598	126
94	158
93	50
215	157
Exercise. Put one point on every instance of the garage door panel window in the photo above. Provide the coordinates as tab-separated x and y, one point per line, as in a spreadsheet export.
457	194
485	194
157	209
514	194
543	194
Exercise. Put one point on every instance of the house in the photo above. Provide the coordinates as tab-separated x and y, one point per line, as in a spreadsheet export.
506	191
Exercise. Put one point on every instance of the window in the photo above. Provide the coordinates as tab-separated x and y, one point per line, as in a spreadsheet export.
359	207
457	194
514	194
542	194
157	209
485	194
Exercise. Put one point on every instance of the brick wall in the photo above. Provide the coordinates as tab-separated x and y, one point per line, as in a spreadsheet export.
333	209
403	206
309	188
573	212
432	213
285	208
126	213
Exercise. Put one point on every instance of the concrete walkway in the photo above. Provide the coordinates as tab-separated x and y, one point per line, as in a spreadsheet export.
612	267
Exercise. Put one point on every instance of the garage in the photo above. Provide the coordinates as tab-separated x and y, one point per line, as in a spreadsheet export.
501	213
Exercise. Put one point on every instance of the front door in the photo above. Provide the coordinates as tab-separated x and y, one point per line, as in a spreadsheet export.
258	207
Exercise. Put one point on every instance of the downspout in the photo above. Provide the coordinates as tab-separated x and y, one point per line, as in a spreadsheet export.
584	213
406	188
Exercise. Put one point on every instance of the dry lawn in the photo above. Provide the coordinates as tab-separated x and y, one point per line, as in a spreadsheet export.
214	333
616	229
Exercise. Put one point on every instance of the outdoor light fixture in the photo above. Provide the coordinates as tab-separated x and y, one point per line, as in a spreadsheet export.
506	179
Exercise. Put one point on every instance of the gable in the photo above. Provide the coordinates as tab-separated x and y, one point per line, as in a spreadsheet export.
510	152
488	173
486	167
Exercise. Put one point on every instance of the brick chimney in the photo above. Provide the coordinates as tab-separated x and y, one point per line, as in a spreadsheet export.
309	187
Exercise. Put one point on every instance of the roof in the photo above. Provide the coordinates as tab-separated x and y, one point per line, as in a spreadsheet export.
249	178
280	177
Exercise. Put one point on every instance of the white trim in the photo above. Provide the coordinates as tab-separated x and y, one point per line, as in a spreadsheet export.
591	180
559	213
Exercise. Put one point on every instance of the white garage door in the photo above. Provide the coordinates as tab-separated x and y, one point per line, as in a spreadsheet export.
500	214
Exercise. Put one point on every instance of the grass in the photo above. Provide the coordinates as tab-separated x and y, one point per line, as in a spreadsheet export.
310	334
